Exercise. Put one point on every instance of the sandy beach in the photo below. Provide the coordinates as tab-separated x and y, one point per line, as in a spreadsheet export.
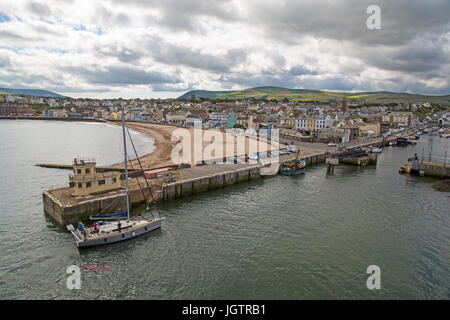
162	134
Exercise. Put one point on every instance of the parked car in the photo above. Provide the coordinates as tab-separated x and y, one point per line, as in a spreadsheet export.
292	148
261	155
231	160
331	144
275	153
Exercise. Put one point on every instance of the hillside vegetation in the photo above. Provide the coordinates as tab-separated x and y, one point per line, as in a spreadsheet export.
303	95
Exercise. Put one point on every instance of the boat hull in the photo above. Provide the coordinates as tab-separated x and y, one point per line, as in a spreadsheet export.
293	172
123	235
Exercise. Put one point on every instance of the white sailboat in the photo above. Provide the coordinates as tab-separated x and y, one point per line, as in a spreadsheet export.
114	231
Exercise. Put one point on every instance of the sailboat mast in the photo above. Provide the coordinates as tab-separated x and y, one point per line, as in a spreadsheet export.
126	160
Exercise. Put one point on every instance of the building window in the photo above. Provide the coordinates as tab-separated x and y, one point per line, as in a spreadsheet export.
88	184
94	183
88	171
100	182
79	171
80	185
108	180
114	180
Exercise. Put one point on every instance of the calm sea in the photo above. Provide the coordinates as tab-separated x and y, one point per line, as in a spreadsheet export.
306	237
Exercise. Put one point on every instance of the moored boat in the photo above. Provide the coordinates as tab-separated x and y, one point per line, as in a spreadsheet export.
376	150
292	167
393	143
402	141
114	231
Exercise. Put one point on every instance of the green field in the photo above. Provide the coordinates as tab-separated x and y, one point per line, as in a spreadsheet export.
302	95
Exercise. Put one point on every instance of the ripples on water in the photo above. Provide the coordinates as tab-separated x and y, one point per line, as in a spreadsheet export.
304	237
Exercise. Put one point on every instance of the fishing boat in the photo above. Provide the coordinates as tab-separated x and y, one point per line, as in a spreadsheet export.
293	167
123	228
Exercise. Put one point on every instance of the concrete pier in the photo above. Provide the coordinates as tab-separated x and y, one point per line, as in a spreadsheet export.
65	208
427	168
208	178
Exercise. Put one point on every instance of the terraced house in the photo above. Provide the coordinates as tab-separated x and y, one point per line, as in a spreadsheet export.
403	118
313	123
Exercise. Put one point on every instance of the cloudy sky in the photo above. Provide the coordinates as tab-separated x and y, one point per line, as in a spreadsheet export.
148	48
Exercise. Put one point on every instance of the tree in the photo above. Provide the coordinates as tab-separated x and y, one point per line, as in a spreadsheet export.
239	126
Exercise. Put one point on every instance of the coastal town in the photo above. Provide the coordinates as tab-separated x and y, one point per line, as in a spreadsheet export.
224	154
339	132
334	122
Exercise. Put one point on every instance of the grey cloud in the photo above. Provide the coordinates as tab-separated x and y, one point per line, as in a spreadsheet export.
179	55
107	18
171	54
185	15
301	70
120	75
167	88
39	9
401	20
424	56
413	44
129	56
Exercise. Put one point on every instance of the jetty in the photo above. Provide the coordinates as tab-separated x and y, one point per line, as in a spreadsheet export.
425	168
77	201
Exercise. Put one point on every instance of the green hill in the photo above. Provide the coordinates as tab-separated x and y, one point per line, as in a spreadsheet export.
31	92
276	93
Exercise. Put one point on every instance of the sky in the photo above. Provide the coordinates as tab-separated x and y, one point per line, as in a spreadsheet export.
159	49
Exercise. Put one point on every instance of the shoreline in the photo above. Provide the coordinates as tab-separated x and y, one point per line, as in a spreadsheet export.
161	134
159	157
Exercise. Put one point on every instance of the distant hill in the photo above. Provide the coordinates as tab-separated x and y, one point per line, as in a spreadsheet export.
32	92
277	93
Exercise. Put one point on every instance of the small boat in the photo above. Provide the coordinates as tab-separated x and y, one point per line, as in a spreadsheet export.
445	135
376	150
425	130
293	167
393	143
402	141
114	231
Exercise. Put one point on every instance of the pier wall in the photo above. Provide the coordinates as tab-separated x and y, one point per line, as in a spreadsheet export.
66	214
208	183
315	159
427	169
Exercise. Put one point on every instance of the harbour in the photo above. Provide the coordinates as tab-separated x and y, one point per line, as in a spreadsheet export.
66	208
299	237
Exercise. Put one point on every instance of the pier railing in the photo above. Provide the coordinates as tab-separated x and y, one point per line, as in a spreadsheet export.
83	161
98	175
359	142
